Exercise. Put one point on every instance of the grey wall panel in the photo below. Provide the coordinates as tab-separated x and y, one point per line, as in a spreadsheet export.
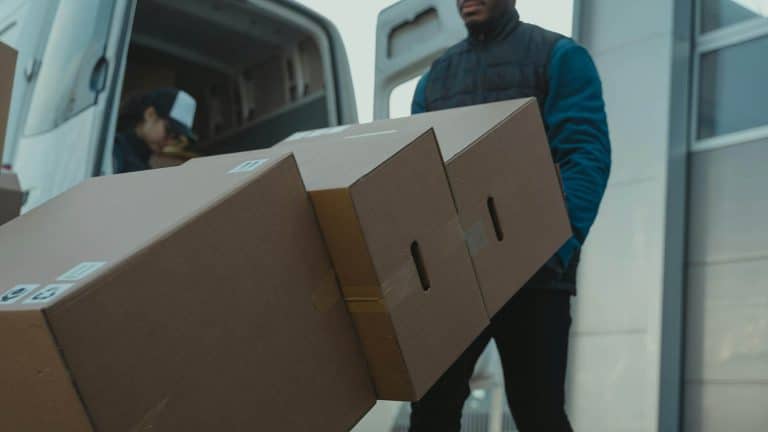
727	294
729	203
726	407
637	114
615	368
613	23
617	268
727	322
611	388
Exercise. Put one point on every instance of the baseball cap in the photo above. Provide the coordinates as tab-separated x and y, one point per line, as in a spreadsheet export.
176	106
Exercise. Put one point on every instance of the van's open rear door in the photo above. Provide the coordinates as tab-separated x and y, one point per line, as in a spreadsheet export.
410	35
71	105
24	26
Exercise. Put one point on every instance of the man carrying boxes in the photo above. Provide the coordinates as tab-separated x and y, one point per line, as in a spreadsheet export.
504	58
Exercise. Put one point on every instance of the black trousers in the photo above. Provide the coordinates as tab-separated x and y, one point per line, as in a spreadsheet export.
531	333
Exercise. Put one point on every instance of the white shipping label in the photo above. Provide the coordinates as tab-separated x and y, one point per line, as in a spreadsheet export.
370	134
81	271
248	166
16	293
317	132
48	293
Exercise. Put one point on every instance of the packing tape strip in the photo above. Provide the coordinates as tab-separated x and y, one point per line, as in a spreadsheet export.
404	284
476	239
363	306
327	293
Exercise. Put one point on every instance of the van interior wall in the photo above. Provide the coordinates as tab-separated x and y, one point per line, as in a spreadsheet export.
232	108
258	88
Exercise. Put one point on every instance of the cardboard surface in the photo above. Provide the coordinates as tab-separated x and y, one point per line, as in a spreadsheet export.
7	70
389	220
11	197
503	179
507	191
217	309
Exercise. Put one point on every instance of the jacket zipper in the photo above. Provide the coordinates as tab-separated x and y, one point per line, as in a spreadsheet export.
481	67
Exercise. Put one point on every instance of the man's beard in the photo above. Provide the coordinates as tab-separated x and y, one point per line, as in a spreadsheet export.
482	27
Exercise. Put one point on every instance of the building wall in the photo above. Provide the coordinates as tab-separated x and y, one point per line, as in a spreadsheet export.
726	373
726	367
615	357
685	87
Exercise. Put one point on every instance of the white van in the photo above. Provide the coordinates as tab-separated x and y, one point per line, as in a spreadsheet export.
259	69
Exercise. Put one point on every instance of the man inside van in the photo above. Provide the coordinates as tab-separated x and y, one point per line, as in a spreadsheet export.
149	123
505	58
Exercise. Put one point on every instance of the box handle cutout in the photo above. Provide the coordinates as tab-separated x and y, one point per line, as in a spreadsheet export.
420	268
495	219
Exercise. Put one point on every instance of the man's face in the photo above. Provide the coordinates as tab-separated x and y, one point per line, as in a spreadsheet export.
475	12
156	131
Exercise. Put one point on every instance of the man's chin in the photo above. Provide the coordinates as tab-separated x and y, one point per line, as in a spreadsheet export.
475	25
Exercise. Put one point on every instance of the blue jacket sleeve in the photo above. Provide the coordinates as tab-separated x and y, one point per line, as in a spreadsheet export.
577	125
419	103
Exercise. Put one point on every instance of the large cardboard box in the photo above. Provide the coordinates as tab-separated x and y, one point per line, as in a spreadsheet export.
196	298
505	184
507	191
11	197
386	210
7	70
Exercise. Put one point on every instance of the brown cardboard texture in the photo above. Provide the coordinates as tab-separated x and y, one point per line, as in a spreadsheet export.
507	191
505	185
7	70
195	298
11	197
388	217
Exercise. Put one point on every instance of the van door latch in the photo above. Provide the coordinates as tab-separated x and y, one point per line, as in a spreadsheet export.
33	67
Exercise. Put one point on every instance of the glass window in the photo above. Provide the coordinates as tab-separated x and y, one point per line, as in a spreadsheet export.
721	13
72	70
733	89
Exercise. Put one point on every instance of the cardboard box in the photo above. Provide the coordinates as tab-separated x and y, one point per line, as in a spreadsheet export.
11	197
505	184
123	310
388	217
7	70
507	191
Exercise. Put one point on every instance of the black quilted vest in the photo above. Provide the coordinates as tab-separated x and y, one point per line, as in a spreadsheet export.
508	61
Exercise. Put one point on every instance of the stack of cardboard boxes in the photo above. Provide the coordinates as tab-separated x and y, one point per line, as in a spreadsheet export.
505	185
283	289
387	215
194	299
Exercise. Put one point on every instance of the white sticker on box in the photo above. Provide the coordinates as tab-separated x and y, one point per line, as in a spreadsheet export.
317	132
298	136
16	293
370	134
48	293
81	271
248	166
